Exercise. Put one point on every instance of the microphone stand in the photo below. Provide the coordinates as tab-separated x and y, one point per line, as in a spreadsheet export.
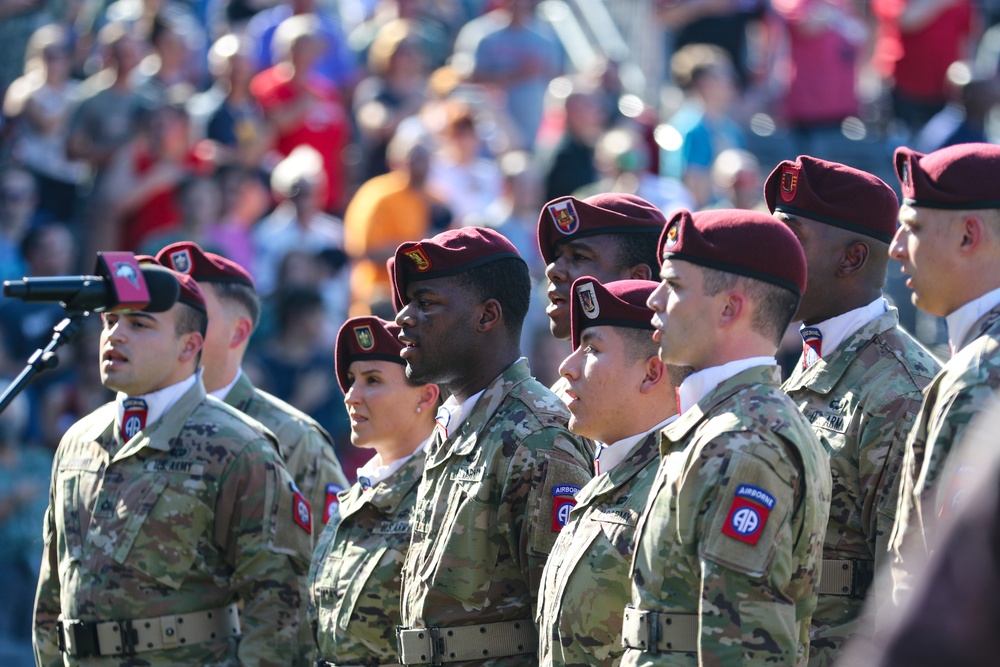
45	359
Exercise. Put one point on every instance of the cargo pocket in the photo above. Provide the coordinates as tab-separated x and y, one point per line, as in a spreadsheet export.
466	556
162	530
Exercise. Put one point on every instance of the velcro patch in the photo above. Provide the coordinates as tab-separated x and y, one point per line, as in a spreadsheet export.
301	512
563	501
748	514
332	502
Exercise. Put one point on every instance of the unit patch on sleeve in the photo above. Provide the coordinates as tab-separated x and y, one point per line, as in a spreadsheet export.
301	512
332	502
748	514
563	500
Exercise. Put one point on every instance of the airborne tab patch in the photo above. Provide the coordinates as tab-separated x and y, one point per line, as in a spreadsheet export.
748	514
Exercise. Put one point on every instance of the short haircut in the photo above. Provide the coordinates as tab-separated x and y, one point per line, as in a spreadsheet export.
774	306
507	281
240	295
639	343
191	320
639	248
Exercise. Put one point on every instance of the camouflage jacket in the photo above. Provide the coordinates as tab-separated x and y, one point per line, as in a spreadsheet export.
307	447
956	395
593	553
734	526
195	512
488	509
861	400
355	577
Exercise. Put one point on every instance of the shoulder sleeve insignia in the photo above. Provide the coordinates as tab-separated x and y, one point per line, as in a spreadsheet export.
748	514
332	502
563	501
301	512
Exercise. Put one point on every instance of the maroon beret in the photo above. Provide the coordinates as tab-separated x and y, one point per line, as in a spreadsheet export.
190	292
447	254
568	218
187	257
835	194
960	177
748	243
621	303
365	338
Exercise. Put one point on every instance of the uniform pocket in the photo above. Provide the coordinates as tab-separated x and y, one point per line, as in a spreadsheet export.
163	527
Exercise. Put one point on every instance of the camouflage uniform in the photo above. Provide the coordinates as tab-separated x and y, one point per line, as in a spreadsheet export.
307	447
951	401
593	553
195	513
355	578
487	510
861	400
728	548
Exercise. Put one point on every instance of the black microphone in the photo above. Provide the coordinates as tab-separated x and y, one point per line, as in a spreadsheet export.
96	293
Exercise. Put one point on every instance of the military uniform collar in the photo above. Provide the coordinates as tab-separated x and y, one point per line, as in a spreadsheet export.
223	392
700	384
755	375
241	393
971	320
168	427
824	375
463	441
645	451
389	493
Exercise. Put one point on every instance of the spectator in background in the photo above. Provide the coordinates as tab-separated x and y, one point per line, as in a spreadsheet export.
303	108
298	223
141	185
821	41
334	61
431	27
963	120
702	127
245	199
515	213
622	159
199	204
296	364
24	479
519	57
737	181
386	211
164	68
465	180
227	114
915	42
18	202
721	23
40	102
395	90
570	164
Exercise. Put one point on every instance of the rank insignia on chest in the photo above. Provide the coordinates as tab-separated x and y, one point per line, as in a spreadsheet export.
748	514
563	500
331	502
564	216
301	512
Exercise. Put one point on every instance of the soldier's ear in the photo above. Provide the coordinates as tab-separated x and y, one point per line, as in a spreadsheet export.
191	346
640	272
490	315
655	375
853	259
241	332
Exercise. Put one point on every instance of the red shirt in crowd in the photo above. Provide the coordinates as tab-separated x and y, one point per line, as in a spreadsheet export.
324	126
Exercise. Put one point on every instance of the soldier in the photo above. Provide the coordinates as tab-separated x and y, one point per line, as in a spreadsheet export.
949	244
502	469
728	552
166	508
355	577
860	377
608	237
620	394
233	314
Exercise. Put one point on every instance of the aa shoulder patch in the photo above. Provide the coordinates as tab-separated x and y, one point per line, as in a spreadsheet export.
748	514
301	512
332	502
563	500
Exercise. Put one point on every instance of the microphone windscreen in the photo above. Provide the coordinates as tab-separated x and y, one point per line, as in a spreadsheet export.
163	288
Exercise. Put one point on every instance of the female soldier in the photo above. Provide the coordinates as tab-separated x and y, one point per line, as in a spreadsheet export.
354	581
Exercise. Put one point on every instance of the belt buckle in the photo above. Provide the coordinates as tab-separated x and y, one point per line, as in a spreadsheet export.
129	636
78	638
433	641
653	632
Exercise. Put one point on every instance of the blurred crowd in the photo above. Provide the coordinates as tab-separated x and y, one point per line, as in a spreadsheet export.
306	139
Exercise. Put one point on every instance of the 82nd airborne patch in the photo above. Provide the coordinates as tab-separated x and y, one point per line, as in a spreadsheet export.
301	512
563	500
748	514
